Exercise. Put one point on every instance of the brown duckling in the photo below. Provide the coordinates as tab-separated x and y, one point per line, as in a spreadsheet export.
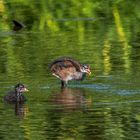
67	69
16	96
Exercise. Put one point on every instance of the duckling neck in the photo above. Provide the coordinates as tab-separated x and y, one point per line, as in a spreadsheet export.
80	76
18	94
83	76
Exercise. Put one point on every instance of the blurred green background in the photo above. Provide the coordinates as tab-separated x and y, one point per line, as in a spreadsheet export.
103	34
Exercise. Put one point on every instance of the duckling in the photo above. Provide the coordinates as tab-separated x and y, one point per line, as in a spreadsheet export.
67	69
16	95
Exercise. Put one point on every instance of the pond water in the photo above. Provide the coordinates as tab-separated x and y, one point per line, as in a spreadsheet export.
105	35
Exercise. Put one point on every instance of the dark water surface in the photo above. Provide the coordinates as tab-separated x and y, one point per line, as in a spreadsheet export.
105	35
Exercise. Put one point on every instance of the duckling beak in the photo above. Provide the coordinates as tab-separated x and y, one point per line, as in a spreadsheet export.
26	90
89	72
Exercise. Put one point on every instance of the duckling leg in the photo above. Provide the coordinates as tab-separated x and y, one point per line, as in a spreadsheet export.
63	84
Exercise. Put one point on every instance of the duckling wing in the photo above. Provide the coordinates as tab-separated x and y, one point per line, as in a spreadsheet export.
65	63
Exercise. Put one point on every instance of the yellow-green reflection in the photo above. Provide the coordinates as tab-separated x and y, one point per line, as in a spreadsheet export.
123	39
2	7
13	65
46	18
106	59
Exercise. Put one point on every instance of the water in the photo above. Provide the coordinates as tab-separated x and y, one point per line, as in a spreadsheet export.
105	105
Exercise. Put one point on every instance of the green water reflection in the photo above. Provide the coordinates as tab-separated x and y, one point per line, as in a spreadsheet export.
103	34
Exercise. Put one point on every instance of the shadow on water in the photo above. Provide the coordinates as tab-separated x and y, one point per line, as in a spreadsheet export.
73	116
69	98
19	108
66	107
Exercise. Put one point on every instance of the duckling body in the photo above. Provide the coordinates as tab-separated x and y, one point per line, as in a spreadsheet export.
17	95
12	97
67	69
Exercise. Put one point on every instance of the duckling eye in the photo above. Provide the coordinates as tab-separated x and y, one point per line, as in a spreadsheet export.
21	87
85	67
